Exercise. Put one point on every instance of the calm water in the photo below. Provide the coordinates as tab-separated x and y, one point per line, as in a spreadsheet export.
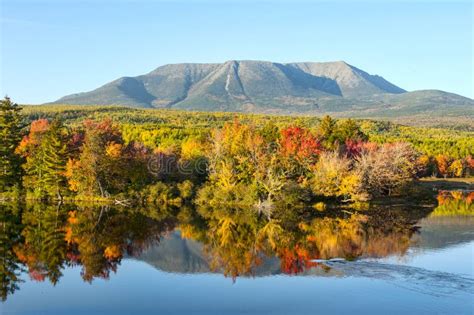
113	261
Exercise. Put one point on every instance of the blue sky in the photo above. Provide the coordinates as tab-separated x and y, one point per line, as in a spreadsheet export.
50	48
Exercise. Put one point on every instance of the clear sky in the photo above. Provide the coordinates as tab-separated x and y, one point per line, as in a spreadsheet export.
50	48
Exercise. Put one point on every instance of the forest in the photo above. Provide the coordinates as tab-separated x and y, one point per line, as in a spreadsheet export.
240	160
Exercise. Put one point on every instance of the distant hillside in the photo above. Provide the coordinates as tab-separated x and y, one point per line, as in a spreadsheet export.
268	87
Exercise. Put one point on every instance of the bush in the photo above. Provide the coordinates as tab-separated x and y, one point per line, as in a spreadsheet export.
387	168
333	177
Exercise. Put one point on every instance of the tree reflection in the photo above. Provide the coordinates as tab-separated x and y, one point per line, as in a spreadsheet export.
100	237
236	242
454	203
94	237
44	239
10	236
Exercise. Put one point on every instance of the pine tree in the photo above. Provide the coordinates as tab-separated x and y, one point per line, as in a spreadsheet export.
31	148
326	131
54	159
10	137
46	157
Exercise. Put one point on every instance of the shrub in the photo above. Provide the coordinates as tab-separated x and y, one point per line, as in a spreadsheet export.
333	177
386	168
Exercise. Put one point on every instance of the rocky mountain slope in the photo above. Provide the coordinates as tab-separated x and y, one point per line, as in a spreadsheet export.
261	86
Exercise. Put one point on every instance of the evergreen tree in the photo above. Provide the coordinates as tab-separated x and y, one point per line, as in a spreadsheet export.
327	131
31	148
349	130
54	154
45	150
10	137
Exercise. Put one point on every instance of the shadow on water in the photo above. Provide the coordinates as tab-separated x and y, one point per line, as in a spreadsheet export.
42	240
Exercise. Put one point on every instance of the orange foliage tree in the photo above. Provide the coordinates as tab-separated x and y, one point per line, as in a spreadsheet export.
299	143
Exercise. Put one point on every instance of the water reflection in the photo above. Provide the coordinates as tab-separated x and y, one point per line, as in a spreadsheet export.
43	240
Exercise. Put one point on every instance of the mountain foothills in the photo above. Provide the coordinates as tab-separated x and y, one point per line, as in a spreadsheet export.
268	87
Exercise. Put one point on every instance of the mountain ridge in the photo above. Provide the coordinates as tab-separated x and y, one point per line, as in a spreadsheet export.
264	86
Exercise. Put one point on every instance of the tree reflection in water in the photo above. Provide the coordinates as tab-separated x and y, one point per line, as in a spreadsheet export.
44	239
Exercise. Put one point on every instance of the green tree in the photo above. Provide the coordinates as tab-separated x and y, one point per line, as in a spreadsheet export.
349	129
30	148
327	131
45	151
10	137
54	159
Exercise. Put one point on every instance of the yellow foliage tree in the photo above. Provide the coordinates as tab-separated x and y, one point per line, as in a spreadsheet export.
456	169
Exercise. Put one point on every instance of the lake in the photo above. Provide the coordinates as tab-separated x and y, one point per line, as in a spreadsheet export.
82	259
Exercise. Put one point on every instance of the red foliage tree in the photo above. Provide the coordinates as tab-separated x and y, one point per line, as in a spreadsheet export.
299	143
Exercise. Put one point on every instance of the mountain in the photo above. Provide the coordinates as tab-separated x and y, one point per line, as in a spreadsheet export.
261	86
352	81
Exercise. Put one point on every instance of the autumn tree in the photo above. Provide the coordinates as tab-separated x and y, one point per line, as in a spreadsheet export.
469	165
390	166
298	149
442	163
235	156
245	169
425	165
456	169
99	170
333	177
134	159
299	143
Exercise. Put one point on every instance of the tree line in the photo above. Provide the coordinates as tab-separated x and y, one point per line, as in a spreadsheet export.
169	157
